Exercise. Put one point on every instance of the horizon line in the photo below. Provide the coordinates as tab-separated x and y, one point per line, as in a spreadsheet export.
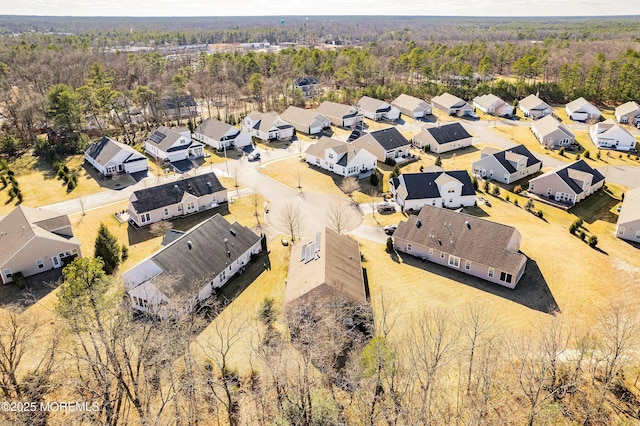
323	16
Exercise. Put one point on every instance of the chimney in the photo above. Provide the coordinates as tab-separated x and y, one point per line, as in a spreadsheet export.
189	245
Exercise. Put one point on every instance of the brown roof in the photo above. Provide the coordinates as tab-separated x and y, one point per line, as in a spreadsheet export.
214	129
533	102
334	110
462	235
334	268
23	224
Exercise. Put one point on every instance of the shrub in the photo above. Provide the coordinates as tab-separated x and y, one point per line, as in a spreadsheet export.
620	156
485	186
593	241
389	244
18	279
496	190
530	205
474	182
598	155
124	253
577	156
438	161
515	202
540	214
396	171
582	235
578	223
390	162
586	154
507	198
421	168
572	229
374	180
517	189
561	151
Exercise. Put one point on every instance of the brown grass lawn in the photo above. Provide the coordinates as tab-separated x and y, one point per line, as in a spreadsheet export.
40	186
312	179
563	271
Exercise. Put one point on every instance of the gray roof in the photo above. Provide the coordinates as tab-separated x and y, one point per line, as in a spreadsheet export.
208	256
335	111
389	138
214	129
164	138
331	270
23	223
409	103
533	102
182	101
447	133
345	150
106	148
463	235
582	103
301	116
372	104
628	108
548	124
153	198
630	211
422	186
448	101
265	120
487	100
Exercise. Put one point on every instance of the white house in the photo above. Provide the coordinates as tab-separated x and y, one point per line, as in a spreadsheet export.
506	166
182	197
185	273
341	115
411	106
452	189
384	143
305	120
267	126
376	109
551	133
582	110
443	138
110	157
219	135
628	225
173	145
568	184
534	107
491	104
451	105
628	113
339	157
609	134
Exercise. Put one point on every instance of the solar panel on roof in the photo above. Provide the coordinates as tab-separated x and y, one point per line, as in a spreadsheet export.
318	241
157	137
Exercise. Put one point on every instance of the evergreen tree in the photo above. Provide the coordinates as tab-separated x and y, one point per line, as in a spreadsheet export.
107	249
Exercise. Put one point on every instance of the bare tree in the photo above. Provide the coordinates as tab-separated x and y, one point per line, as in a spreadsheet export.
349	185
338	216
159	229
291	218
255	198
373	194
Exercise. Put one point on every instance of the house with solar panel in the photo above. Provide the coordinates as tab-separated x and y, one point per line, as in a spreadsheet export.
443	138
452	189
267	126
187	271
568	184
174	146
506	166
111	157
182	197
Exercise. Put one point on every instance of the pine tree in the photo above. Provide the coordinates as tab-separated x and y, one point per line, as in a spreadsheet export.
108	249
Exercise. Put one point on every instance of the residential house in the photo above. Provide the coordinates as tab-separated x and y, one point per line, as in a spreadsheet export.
326	271
305	120
628	113
220	135
175	108
474	246
411	106
267	126
451	105
628	225
384	143
610	135
534	107
582	110
186	272
341	115
493	105
452	189
376	109
34	241
568	184
443	138
110	157
309	86
341	158
506	166
185	196
551	133
174	146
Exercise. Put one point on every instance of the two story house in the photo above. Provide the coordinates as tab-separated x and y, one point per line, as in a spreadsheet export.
220	135
341	158
267	126
451	189
568	184
610	135
506	166
173	146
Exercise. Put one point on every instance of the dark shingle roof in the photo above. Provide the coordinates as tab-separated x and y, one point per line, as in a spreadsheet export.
423	185
208	256
466	236
521	150
106	148
448	133
163	195
580	166
389	138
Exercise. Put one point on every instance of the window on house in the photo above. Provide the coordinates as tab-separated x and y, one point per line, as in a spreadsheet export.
505	277
454	261
637	235
451	190
179	207
191	205
145	217
166	211
430	252
330	156
467	265
621	230
409	247
40	263
223	275
491	272
7	273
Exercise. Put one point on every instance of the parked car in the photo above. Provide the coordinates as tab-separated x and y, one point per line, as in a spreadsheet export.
254	156
484	201
386	208
390	229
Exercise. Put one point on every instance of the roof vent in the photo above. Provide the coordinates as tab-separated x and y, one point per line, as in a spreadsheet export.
190	245
466	222
228	253
233	232
418	224
175	186
439	241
